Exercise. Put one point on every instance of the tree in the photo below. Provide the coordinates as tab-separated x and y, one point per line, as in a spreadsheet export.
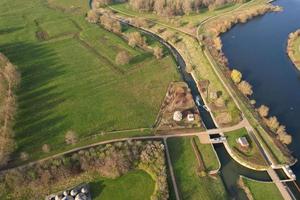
71	137
136	39
285	138
110	24
236	76
187	6
158	52
263	111
245	88
272	123
122	58
92	16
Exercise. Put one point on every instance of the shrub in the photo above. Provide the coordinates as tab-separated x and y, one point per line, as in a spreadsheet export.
46	148
24	156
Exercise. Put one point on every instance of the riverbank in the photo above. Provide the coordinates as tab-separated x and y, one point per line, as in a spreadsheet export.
293	48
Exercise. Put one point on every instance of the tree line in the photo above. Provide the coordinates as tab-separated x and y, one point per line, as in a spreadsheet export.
9	80
135	39
177	7
271	122
110	160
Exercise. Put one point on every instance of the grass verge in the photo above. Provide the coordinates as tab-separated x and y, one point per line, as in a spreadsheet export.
190	185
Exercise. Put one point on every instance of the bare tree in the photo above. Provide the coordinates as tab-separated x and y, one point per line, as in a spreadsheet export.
71	137
122	58
158	52
245	88
136	39
272	123
263	111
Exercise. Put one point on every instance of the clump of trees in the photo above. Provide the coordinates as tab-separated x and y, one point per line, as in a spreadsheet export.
110	23
274	125
110	160
122	58
292	49
243	86
9	81
176	7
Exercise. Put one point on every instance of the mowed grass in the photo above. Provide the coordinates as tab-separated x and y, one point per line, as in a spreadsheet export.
262	191
252	155
134	185
190	185
71	81
208	155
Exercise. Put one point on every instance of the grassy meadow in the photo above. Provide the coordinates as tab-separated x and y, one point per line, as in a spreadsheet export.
190	184
70	80
261	190
134	185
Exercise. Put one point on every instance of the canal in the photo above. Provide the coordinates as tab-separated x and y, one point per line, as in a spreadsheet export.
258	50
230	169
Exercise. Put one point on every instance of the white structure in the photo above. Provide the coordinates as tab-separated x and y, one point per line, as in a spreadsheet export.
190	117
243	142
81	196
177	116
73	192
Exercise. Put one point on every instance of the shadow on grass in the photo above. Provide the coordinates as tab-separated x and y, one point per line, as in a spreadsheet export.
96	188
140	58
35	119
10	30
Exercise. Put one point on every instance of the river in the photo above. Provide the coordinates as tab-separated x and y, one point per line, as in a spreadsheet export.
258	50
230	169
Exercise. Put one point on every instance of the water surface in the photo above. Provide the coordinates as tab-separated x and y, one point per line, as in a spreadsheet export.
258	50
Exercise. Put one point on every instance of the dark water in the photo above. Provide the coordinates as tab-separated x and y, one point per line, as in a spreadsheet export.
258	50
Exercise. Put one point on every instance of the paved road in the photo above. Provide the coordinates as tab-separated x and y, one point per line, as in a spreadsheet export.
212	131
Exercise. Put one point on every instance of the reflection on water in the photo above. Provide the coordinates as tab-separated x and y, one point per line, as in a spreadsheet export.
258	50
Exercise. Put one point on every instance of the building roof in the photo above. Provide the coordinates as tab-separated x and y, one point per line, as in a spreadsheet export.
243	141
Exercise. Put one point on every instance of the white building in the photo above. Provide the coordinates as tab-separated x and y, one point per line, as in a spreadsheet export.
177	116
243	142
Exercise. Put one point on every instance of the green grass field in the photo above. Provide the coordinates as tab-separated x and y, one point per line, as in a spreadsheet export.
190	185
208	155
252	155
70	81
262	191
135	185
